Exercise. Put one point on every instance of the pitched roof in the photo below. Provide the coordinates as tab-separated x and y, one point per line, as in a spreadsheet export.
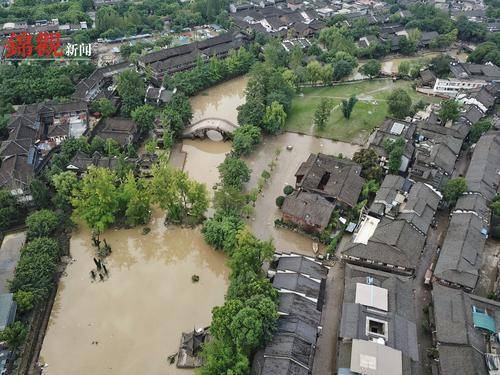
461	254
122	130
312	209
394	242
483	175
16	172
385	198
400	315
301	264
332	177
420	207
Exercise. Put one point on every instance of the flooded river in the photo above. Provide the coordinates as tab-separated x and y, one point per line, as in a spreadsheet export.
220	101
131	322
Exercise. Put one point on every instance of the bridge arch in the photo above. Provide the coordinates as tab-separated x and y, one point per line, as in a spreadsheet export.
200	128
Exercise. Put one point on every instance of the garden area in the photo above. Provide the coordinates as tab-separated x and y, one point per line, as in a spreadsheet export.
369	111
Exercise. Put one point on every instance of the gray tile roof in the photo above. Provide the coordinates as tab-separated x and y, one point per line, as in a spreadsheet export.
309	209
298	283
474	203
385	196
394	242
453	316
483	175
400	315
420	207
302	264
461	254
331	177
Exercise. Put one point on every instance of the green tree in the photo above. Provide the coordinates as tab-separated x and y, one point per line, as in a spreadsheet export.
322	113
249	254
234	172
453	189
172	122
478	129
64	184
25	301
449	110
184	200
407	46
221	230
399	103
40	193
138	209
96	202
348	106
229	200
274	118
369	189
371	68
144	117
369	161
41	223
314	71
9	210
245	138
404	68
395	148
131	89
14	335
104	106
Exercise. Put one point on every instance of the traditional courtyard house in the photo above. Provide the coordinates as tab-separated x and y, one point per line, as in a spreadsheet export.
121	130
177	59
389	131
391	236
337	180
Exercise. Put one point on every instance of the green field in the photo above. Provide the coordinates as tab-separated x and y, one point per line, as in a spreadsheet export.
369	112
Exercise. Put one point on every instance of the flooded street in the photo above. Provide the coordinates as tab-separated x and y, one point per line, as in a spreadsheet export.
131	322
266	211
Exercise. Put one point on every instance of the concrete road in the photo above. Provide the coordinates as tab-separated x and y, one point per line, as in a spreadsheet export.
326	346
9	256
422	293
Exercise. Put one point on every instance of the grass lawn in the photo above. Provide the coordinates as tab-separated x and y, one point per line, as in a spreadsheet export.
369	112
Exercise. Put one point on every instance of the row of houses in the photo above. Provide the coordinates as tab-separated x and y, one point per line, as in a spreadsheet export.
40	26
34	130
177	59
466	76
300	281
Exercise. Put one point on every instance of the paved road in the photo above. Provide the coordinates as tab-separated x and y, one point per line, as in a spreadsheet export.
326	346
422	293
9	256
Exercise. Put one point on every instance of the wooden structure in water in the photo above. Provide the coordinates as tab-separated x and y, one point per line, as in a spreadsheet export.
190	348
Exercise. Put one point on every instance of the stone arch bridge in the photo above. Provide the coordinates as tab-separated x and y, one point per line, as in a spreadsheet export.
200	128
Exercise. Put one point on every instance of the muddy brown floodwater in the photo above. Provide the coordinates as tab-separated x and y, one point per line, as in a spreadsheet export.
262	221
220	101
131	323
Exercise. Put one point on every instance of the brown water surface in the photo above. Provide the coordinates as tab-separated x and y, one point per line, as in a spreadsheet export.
220	101
262	221
131	322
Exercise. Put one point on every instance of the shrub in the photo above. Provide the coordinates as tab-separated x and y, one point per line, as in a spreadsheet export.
280	200
42	223
288	190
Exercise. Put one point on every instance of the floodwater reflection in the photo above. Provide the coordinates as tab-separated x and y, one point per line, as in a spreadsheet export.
131	322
